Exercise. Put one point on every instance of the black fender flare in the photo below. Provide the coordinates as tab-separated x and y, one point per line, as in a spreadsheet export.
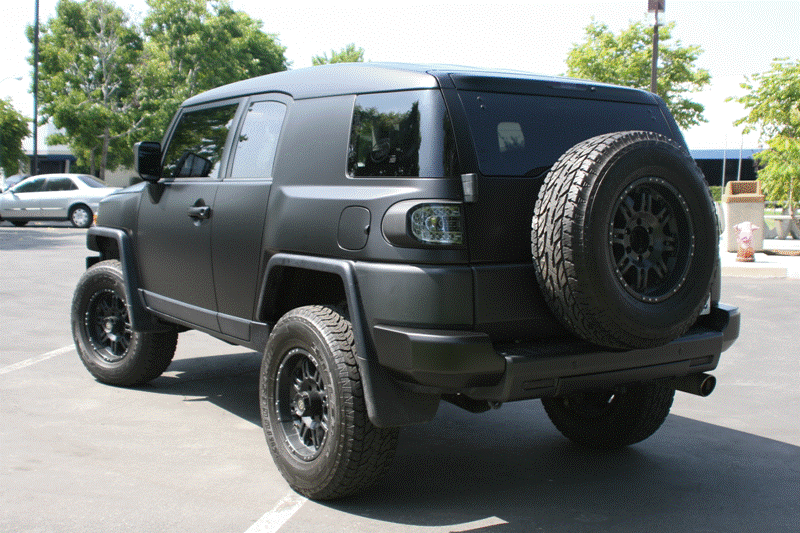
141	318
388	403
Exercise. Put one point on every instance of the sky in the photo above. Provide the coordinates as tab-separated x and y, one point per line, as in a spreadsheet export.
738	38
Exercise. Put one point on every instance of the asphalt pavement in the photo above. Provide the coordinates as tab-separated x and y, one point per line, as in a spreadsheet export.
187	453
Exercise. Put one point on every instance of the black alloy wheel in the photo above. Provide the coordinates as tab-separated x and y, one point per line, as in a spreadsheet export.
108	326
652	258
302	404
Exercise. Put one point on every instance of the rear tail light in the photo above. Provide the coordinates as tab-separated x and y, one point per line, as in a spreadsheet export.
423	223
437	224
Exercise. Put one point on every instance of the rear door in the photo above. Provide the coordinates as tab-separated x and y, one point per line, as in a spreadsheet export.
519	134
240	210
175	217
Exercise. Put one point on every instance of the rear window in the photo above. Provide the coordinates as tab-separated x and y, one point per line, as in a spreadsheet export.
523	135
91	182
401	134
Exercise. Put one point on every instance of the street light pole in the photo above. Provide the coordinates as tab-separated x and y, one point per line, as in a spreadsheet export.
35	160
655	6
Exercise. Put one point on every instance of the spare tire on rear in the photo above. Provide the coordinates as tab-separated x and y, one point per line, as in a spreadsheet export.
624	240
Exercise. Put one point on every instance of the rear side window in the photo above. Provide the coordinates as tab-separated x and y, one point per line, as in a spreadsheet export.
401	134
524	135
60	184
195	150
258	140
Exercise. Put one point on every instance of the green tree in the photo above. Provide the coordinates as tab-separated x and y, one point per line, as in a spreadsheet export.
88	55
192	47
13	129
773	101
626	58
348	54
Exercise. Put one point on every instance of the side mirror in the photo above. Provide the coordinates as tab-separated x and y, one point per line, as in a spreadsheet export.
147	160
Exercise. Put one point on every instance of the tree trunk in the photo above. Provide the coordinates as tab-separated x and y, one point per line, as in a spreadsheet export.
104	155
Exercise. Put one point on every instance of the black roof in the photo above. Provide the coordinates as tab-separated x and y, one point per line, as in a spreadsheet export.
359	78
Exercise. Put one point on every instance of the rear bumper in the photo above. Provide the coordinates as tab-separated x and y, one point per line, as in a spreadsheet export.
466	362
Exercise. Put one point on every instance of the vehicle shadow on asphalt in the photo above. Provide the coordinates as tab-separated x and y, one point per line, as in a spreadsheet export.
513	466
229	381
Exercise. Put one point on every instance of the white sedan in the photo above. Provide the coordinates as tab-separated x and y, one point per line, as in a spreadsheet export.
72	197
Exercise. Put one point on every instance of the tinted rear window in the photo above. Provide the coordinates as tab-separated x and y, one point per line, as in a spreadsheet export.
401	134
519	135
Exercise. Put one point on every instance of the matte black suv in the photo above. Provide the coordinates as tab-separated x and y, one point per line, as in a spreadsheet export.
390	236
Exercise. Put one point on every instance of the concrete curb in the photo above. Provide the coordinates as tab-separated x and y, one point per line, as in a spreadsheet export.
766	265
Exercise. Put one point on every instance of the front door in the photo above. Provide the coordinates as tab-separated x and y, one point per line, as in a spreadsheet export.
176	216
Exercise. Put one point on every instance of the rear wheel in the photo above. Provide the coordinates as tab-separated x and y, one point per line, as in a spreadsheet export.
613	418
107	345
313	409
80	216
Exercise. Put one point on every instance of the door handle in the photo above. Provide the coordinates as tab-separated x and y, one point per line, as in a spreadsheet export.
200	212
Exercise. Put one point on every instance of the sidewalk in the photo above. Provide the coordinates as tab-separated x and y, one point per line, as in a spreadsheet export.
781	259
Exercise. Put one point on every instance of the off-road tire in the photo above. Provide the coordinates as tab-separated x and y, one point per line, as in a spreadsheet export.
608	419
624	240
313	409
108	347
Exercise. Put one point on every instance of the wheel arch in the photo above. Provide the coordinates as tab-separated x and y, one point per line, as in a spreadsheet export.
114	243
292	281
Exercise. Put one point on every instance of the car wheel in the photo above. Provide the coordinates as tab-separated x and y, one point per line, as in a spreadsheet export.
607	419
18	223
107	345
80	216
313	410
624	240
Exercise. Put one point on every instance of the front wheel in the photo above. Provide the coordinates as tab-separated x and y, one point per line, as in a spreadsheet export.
613	418
107	345
313	409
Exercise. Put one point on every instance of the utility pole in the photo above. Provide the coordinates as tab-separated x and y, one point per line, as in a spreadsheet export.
655	6
35	160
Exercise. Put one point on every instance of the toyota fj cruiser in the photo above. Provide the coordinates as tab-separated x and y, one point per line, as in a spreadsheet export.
390	236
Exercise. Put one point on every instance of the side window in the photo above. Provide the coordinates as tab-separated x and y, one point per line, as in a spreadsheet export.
34	185
195	150
60	184
258	140
401	134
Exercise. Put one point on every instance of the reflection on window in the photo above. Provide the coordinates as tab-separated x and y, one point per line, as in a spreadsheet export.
198	141
510	136
401	134
258	140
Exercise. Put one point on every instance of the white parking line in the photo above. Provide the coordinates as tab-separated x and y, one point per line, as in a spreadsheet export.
37	359
273	520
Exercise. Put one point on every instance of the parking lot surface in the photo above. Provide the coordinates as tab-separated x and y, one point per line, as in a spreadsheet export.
186	452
